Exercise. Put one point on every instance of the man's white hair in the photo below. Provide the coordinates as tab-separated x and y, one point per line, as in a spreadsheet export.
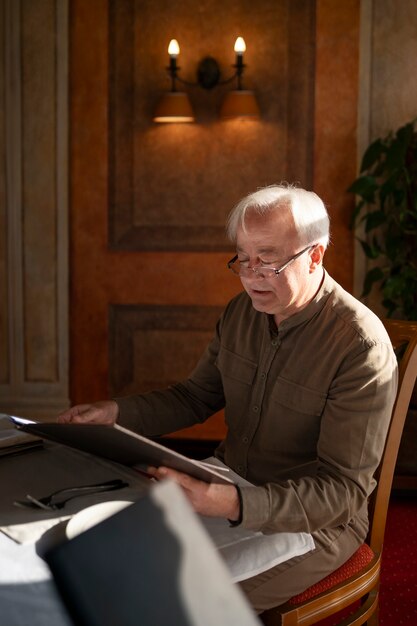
309	213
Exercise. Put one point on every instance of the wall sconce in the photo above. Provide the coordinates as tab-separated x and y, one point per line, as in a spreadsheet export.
175	106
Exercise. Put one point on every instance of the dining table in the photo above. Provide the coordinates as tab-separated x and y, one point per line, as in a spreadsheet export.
30	527
27	590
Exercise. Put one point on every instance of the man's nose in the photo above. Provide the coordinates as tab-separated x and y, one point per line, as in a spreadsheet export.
254	272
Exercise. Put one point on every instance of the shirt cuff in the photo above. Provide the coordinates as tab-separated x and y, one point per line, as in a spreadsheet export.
256	509
238	521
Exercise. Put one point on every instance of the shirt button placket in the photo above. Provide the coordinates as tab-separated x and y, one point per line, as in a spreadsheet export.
255	409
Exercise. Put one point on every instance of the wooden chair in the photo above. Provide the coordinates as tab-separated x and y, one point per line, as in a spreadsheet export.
357	581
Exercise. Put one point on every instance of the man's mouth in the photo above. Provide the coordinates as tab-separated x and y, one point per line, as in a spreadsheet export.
260	291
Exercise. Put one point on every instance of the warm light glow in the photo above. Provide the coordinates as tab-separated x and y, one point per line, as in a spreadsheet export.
173	48
240	46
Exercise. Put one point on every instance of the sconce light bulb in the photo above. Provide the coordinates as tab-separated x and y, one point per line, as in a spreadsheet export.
173	49
240	46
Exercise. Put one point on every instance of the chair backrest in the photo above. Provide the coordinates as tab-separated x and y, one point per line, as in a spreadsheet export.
403	335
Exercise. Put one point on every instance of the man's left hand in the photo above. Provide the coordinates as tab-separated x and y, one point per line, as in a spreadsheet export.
206	498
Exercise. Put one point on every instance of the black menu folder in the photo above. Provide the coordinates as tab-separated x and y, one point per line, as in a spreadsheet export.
120	445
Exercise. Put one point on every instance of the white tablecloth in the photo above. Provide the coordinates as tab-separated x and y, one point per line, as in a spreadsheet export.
27	593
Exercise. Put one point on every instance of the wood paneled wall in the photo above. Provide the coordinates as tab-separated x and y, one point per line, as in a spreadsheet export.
111	273
33	207
148	203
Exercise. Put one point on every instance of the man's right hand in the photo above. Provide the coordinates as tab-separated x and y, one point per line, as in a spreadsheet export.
105	412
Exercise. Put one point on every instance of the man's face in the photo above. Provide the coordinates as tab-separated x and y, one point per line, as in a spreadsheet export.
272	240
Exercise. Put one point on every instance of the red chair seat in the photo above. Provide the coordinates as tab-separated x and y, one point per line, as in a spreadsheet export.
357	561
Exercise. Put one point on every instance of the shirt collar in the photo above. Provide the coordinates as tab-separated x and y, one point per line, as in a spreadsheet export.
312	308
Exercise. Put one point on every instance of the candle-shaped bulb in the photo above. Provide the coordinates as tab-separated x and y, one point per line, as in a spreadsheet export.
240	46
173	49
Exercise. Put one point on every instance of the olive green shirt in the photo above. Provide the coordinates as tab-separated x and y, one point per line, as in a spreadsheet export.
307	406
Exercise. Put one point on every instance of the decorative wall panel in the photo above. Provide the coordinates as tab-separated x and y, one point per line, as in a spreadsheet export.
172	185
39	244
4	339
152	347
33	214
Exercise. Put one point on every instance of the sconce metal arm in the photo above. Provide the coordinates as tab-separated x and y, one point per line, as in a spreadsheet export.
208	74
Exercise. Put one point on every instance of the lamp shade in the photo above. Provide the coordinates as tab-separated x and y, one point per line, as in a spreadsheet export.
174	106
240	104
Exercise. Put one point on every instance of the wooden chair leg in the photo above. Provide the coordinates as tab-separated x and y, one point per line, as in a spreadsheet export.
373	620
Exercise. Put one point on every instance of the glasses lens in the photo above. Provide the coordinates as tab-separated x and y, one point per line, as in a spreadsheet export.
265	272
251	272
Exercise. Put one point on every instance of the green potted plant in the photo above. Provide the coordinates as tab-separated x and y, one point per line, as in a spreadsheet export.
386	189
387	205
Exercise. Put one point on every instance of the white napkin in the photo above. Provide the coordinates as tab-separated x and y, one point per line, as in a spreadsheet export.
246	552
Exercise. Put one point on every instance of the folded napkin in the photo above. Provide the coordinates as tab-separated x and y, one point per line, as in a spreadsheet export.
249	553
246	552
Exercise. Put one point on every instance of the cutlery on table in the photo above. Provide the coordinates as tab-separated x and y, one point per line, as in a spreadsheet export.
54	500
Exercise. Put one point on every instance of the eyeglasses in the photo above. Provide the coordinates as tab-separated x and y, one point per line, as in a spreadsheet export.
241	268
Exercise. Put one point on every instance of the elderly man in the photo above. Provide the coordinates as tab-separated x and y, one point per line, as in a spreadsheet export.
307	377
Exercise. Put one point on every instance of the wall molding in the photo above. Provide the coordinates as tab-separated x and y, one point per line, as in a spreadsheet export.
38	388
153	346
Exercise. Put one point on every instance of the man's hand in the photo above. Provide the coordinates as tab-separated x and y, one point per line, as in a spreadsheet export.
206	498
105	412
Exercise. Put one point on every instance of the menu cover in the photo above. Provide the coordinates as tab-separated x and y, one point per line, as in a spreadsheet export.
120	445
13	442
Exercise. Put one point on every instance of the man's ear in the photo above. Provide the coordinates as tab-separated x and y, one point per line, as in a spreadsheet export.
316	257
